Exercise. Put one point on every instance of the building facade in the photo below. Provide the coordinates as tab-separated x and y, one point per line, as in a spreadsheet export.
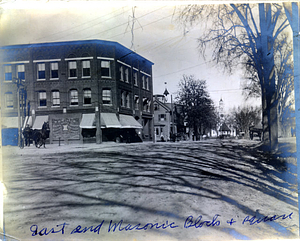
164	124
84	89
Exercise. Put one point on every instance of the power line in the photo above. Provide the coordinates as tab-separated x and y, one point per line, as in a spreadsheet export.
66	30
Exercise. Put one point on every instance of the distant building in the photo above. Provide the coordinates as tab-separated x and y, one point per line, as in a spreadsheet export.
164	124
88	90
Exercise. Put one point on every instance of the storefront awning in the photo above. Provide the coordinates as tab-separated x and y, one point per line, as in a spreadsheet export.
128	121
9	122
39	121
88	121
109	120
28	121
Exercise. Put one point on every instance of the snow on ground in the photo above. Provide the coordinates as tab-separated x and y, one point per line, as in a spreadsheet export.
140	183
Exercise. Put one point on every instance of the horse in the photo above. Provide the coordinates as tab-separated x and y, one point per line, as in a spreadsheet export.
40	136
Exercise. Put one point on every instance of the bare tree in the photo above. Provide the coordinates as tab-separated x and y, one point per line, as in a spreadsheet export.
242	32
244	117
196	104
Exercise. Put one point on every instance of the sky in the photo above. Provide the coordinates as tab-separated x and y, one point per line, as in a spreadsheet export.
149	28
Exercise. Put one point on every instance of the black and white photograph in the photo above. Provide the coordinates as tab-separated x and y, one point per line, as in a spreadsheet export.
149	120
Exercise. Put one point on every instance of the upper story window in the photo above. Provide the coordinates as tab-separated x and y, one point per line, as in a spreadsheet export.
156	106
72	69
86	68
105	68
8	73
106	96
87	97
54	70
125	99
143	82
21	71
55	98
127	75
73	97
162	117
146	104
135	78
147	83
136	102
9	100
121	73
41	71
42	99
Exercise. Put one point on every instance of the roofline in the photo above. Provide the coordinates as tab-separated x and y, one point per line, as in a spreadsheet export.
74	42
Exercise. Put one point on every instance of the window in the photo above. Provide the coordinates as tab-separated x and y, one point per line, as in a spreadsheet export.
73	97
72	69
9	101
8	73
54	70
41	71
156	106
106	96
143	82
162	117
105	68
135	78
147	83
127	103
42	99
136	102
123	99
121	73
127	75
21	71
55	98
86	68
146	104
87	97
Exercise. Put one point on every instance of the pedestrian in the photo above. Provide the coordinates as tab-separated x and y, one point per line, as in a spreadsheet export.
26	134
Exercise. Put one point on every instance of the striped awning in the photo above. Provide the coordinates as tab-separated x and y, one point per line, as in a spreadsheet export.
110	120
128	121
27	121
88	121
39	121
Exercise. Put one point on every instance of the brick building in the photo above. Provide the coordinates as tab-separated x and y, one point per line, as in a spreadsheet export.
77	87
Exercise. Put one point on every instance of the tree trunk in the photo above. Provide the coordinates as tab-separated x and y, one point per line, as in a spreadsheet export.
267	78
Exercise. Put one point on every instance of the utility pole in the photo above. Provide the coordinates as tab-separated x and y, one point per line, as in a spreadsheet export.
19	84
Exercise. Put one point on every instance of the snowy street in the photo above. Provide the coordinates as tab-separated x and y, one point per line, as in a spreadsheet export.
158	190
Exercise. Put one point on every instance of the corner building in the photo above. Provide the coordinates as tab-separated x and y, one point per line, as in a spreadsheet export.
89	91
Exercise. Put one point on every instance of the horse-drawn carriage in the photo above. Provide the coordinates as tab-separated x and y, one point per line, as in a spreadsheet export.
37	136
